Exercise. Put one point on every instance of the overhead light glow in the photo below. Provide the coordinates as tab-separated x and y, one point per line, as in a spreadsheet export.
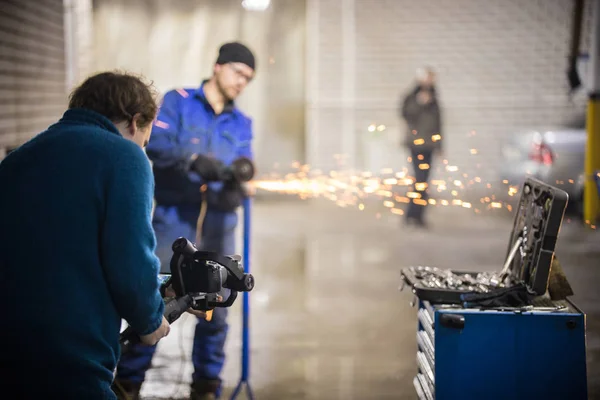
256	5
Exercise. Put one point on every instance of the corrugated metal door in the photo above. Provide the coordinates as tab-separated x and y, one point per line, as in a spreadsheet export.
32	68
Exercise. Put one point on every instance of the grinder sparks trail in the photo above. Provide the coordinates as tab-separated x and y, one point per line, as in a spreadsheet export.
197	277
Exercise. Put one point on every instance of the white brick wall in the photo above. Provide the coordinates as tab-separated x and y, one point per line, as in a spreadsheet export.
501	65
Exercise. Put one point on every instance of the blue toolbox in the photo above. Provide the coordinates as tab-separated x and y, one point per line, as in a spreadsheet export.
508	334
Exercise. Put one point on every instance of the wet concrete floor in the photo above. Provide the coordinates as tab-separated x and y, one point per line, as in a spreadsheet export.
327	318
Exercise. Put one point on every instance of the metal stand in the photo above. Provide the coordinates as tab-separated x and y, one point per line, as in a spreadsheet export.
246	310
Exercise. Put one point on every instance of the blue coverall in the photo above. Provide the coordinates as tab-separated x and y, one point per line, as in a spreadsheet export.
187	125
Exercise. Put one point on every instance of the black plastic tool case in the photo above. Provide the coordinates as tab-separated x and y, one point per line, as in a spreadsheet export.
538	218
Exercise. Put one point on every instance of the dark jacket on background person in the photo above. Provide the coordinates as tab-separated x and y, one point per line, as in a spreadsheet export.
423	121
76	256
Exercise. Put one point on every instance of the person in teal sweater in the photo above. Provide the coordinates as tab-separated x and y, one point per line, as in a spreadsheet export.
77	244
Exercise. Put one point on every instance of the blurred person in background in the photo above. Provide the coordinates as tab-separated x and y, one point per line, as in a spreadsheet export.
197	129
423	139
77	248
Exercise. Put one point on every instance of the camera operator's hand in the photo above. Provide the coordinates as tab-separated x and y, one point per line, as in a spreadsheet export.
207	167
152	338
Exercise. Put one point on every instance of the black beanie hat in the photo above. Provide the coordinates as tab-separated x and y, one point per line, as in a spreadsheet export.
236	52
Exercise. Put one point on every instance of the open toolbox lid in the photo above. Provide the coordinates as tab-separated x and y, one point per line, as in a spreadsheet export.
536	226
538	218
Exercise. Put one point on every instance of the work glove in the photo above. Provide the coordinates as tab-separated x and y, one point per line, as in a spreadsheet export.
209	168
228	199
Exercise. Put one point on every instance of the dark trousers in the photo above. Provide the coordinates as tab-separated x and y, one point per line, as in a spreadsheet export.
218	235
416	211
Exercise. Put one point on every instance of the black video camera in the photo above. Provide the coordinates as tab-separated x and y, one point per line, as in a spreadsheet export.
203	274
197	277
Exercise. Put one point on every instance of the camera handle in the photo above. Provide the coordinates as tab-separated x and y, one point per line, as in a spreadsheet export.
209	301
174	308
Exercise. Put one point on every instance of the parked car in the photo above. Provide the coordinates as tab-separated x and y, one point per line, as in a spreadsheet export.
555	156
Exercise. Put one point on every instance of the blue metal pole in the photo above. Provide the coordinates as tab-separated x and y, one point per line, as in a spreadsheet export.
246	305
246	308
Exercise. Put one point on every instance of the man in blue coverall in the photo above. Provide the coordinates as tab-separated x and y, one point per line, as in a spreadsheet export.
194	131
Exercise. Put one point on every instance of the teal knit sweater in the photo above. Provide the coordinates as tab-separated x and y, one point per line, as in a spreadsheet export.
76	256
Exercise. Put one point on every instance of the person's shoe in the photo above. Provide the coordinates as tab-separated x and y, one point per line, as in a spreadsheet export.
126	390
205	389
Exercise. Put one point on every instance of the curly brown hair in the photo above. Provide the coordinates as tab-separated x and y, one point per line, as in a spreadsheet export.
118	96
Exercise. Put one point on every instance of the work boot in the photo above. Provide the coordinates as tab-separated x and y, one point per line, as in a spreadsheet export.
205	389
126	390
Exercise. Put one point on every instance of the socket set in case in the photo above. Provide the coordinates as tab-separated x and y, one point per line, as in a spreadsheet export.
536	226
497	350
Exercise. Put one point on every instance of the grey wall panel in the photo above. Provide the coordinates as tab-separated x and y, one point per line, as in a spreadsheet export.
32	68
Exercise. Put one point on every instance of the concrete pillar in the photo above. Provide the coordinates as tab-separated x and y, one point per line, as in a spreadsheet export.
348	125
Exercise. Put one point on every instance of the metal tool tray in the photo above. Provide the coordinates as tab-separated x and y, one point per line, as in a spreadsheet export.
538	218
435	296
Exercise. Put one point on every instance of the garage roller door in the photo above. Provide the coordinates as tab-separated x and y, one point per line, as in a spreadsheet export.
32	68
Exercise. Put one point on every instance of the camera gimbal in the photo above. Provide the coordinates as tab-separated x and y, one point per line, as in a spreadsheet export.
197	278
